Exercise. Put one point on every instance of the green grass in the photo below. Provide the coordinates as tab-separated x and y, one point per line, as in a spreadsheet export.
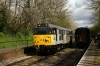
8	41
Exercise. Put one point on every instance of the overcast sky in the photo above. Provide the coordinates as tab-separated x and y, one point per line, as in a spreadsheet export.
80	14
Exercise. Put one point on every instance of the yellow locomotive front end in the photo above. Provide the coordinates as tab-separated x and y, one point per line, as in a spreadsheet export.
43	38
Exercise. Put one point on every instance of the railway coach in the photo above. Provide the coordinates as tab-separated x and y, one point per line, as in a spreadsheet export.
48	37
82	37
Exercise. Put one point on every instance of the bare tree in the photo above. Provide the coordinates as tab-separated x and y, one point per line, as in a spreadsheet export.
10	2
27	13
95	5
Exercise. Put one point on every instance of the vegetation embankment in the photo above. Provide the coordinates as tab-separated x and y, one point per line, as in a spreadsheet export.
8	41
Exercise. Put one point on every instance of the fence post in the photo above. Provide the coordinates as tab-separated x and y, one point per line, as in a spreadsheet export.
27	42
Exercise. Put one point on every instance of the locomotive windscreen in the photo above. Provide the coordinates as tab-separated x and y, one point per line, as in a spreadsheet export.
44	30
83	35
42	25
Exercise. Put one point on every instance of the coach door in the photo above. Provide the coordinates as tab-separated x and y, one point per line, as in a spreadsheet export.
83	35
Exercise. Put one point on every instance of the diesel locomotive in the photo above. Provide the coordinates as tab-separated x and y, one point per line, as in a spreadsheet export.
49	37
82	37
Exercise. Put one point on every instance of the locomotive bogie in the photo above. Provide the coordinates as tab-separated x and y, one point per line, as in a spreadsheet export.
46	49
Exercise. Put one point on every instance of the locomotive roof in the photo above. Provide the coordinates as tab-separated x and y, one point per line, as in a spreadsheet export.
82	28
52	26
55	26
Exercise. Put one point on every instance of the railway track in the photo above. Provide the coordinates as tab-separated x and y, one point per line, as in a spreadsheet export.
71	59
50	60
28	61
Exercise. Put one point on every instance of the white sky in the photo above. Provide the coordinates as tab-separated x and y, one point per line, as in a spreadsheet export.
80	14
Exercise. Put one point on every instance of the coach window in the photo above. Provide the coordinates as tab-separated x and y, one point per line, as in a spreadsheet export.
60	38
60	31
64	32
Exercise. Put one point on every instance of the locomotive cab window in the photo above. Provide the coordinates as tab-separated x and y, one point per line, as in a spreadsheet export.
42	25
44	30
